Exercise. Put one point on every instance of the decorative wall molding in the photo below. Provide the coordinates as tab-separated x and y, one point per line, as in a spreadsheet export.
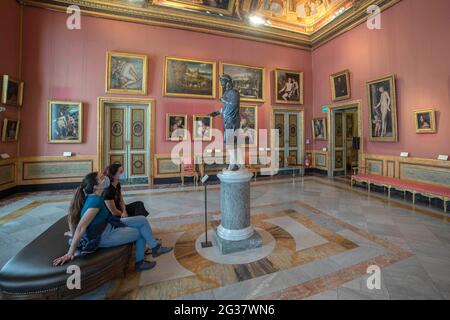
418	169
320	160
213	24
54	169
165	167
8	173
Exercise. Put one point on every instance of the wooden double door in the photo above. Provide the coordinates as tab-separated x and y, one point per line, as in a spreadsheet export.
290	139
127	140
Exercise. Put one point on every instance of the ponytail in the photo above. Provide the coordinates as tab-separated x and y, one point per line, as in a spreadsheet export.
76	205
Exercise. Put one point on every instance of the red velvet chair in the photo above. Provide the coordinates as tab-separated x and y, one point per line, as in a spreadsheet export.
188	169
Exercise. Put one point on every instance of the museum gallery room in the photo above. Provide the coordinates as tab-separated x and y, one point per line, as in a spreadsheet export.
224	149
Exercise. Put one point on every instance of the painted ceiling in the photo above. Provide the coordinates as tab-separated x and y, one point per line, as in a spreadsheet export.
296	23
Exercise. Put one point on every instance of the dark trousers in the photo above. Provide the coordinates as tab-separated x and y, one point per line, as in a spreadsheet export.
136	209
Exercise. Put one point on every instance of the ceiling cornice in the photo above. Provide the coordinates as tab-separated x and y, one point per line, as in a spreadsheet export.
224	26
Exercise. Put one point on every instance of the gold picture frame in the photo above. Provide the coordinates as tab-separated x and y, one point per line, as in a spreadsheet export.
11	91
137	66
186	4
206	134
375	116
340	85
173	89
284	97
171	119
65	121
428	120
251	123
319	132
262	87
10	130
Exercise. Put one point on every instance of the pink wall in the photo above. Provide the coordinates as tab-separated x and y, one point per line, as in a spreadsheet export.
9	58
60	64
414	44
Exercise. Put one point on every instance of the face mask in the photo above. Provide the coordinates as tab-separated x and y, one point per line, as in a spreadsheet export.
122	176
105	183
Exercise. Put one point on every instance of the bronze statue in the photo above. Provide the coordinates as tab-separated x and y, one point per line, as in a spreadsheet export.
231	121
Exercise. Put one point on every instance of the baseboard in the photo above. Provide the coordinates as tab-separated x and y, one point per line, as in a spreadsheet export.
39	187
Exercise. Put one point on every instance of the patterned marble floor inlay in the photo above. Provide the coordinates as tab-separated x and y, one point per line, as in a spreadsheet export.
286	227
320	236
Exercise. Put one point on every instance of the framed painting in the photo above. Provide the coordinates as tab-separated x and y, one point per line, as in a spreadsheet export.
202	127
319	127
126	73
340	85
189	78
248	80
222	7
65	122
10	131
425	120
11	91
176	127
249	124
288	86
382	109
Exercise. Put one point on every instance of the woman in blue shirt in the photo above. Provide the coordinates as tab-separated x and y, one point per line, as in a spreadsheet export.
90	221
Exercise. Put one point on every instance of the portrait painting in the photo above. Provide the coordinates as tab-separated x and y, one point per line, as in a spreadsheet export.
425	121
10	130
11	91
126	73
382	109
65	122
248	80
319	127
340	85
202	127
176	127
288	87
189	78
249	124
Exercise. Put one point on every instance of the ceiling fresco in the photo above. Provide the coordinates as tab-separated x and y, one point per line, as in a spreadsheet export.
295	23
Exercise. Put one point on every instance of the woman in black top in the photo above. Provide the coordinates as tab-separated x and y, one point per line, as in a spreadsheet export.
113	195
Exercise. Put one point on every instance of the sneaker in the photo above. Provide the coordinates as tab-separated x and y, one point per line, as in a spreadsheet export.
159	250
144	265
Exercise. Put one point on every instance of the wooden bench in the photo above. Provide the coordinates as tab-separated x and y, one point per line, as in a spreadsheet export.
426	189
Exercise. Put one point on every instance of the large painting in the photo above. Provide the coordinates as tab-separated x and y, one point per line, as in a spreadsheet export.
223	7
319	126
176	127
11	91
202	127
126	73
288	86
382	109
248	80
65	122
10	130
340	85
189	78
249	124
425	121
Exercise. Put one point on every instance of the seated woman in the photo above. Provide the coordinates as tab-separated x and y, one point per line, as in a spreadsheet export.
93	226
113	195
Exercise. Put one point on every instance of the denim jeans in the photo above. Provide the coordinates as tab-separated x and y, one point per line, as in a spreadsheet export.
137	230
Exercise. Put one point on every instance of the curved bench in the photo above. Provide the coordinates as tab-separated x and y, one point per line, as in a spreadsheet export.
31	275
415	187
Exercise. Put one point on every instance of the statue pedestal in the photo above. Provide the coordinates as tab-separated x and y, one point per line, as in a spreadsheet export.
235	232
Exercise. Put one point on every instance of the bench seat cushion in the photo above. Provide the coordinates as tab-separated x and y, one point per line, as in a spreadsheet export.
31	270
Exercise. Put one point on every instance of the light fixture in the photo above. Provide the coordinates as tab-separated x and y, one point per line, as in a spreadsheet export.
256	20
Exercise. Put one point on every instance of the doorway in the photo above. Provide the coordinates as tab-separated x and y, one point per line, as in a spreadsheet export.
345	132
289	123
126	137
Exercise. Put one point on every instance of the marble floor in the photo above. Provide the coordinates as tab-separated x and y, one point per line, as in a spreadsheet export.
319	238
